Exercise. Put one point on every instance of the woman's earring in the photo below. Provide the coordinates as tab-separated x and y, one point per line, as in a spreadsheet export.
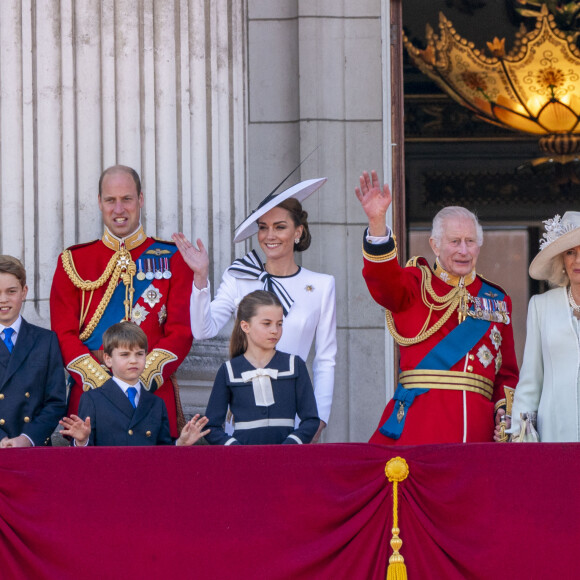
297	240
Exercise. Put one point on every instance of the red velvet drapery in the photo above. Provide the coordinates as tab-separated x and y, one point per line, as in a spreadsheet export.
280	512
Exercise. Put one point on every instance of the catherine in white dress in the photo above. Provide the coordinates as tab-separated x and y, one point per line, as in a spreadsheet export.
308	297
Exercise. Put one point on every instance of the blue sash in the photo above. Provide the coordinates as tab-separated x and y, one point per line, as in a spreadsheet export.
443	356
115	311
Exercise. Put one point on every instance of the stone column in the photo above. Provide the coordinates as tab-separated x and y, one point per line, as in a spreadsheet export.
159	86
318	77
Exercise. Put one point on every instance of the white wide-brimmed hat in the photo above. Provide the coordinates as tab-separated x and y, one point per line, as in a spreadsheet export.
300	191
561	234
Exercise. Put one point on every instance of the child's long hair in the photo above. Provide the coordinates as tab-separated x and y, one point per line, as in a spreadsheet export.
247	309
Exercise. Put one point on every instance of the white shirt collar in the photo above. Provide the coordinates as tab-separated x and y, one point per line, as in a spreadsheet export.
15	326
124	386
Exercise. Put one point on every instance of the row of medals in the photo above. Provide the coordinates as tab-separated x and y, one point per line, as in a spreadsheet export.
488	309
155	268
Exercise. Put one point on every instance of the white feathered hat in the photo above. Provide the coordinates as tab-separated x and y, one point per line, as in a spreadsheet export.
561	234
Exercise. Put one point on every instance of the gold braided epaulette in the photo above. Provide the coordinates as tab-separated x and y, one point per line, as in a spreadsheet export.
449	302
493	284
121	266
152	376
169	242
382	257
86	285
414	262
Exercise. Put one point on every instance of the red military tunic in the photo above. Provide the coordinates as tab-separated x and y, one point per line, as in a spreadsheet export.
440	416
163	314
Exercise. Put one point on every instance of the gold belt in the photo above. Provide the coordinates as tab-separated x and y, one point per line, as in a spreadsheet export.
447	380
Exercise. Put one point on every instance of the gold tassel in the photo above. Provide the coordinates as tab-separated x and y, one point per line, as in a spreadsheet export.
396	470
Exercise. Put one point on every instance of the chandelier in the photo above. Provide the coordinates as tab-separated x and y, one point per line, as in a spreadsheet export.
535	88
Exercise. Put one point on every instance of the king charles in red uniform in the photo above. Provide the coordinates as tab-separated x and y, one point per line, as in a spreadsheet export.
123	276
453	329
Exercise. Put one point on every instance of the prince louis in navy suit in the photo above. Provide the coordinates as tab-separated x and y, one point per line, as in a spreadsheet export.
32	382
121	411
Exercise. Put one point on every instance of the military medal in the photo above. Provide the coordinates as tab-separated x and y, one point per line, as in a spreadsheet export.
166	271
158	272
490	310
149	274
140	274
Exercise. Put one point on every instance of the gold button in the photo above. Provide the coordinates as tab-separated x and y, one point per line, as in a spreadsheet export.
2	421
469	369
130	431
471	357
1	396
148	433
27	419
27	395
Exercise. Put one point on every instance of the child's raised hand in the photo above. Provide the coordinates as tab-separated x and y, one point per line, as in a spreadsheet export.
192	432
75	427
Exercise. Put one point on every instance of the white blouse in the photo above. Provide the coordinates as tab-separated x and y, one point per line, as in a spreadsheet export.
312	314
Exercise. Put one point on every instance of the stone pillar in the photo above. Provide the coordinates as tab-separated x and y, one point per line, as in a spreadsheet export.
159	86
317	79
213	103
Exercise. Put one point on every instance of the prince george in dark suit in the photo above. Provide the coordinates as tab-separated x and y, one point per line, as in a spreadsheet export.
32	383
122	411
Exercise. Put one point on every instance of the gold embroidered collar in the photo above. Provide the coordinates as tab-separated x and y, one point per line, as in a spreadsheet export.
451	279
130	242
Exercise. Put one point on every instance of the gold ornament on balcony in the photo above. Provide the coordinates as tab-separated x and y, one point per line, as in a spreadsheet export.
535	88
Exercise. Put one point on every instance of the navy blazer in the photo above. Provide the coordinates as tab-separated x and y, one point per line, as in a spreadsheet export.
114	421
32	385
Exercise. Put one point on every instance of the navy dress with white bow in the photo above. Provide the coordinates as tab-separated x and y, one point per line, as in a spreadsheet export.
264	402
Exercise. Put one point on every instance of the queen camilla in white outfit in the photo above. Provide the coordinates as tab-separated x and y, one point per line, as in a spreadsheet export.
549	383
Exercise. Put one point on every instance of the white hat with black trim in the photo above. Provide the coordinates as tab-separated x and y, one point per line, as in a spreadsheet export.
300	191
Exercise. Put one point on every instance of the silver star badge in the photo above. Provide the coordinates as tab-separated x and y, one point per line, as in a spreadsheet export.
151	296
139	314
484	355
496	337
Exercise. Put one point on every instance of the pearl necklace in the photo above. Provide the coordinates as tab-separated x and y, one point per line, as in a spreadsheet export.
573	304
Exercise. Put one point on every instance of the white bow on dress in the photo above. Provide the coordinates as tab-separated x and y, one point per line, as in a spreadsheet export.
262	384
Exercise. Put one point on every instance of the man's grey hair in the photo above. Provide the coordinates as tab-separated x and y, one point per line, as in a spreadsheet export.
454	212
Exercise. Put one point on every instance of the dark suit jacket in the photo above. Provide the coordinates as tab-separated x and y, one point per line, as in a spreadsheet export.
32	385
115	422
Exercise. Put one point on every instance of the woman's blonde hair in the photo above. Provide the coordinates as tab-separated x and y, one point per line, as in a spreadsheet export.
558	275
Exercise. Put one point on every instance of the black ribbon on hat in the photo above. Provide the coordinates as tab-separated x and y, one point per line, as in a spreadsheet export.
273	193
250	267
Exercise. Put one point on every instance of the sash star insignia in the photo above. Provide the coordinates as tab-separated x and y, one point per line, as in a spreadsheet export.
484	355
139	314
151	296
